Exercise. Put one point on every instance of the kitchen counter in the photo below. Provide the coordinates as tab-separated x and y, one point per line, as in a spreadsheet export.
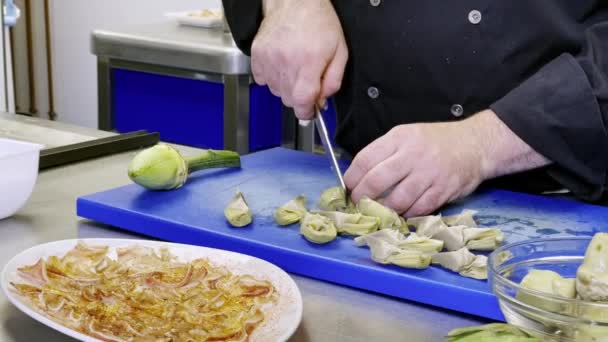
331	312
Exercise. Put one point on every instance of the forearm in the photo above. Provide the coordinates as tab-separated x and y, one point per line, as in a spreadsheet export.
501	151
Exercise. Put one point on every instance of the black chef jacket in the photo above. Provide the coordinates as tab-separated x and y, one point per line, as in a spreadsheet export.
540	65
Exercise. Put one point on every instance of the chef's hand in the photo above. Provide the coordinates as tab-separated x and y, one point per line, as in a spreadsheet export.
423	166
300	53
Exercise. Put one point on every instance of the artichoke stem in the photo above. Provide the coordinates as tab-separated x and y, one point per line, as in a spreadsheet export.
213	159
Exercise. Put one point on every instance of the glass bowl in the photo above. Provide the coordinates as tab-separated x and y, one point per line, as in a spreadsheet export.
549	317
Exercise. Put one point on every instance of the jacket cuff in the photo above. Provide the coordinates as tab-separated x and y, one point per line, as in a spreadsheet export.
557	114
244	18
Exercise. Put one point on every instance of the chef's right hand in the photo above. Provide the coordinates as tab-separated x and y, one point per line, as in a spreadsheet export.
300	53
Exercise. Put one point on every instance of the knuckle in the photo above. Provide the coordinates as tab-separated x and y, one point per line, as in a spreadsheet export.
333	85
375	185
304	94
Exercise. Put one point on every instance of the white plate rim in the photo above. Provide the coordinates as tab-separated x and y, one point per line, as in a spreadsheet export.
11	266
184	19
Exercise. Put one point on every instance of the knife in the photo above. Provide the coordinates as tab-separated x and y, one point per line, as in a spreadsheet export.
329	151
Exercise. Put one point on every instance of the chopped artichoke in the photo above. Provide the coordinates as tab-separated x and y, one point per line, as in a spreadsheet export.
291	212
478	269
421	243
452	237
490	333
237	212
592	275
590	333
318	229
391	236
352	224
465	218
454	261
388	217
385	253
547	282
427	225
334	199
483	239
410	259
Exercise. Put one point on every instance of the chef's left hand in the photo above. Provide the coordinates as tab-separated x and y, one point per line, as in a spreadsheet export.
429	164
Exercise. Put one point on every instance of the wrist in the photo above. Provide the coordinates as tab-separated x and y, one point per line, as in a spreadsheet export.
484	133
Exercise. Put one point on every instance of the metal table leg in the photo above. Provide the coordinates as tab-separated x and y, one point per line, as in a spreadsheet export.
236	113
105	115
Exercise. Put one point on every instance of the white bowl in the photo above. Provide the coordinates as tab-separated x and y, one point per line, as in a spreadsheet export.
18	174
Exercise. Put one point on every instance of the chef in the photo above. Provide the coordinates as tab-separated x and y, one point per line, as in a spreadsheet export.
435	98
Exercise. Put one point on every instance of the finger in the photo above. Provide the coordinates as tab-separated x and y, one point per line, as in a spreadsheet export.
332	78
407	192
306	90
379	150
286	85
257	63
381	178
427	203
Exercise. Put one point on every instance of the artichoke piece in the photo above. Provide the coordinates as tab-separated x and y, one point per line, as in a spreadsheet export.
317	228
478	269
547	282
410	259
161	167
390	236
490	333
427	226
389	219
352	224
386	253
463	262
334	199
291	212
452	237
483	239
465	218
237	212
421	243
592	275
591	333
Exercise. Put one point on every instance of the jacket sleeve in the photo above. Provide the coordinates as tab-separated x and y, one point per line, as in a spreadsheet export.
244	18
561	111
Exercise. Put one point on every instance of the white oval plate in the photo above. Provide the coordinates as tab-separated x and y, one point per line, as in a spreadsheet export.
184	18
281	321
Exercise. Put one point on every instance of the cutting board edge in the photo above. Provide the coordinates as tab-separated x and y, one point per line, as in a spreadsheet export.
285	258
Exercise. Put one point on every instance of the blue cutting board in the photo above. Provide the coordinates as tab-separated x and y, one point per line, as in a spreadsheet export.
193	214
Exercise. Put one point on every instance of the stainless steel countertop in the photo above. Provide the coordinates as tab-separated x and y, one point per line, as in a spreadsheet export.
331	312
168	44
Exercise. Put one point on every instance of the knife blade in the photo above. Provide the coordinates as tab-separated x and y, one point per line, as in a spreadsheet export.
329	151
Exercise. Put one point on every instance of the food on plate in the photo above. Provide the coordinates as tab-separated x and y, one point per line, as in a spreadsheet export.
389	219
291	212
334	199
161	167
465	218
464	263
318	229
206	13
592	275
352	224
237	212
142	294
494	332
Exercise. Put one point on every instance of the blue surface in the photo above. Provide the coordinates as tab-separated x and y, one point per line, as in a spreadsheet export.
189	112
193	214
